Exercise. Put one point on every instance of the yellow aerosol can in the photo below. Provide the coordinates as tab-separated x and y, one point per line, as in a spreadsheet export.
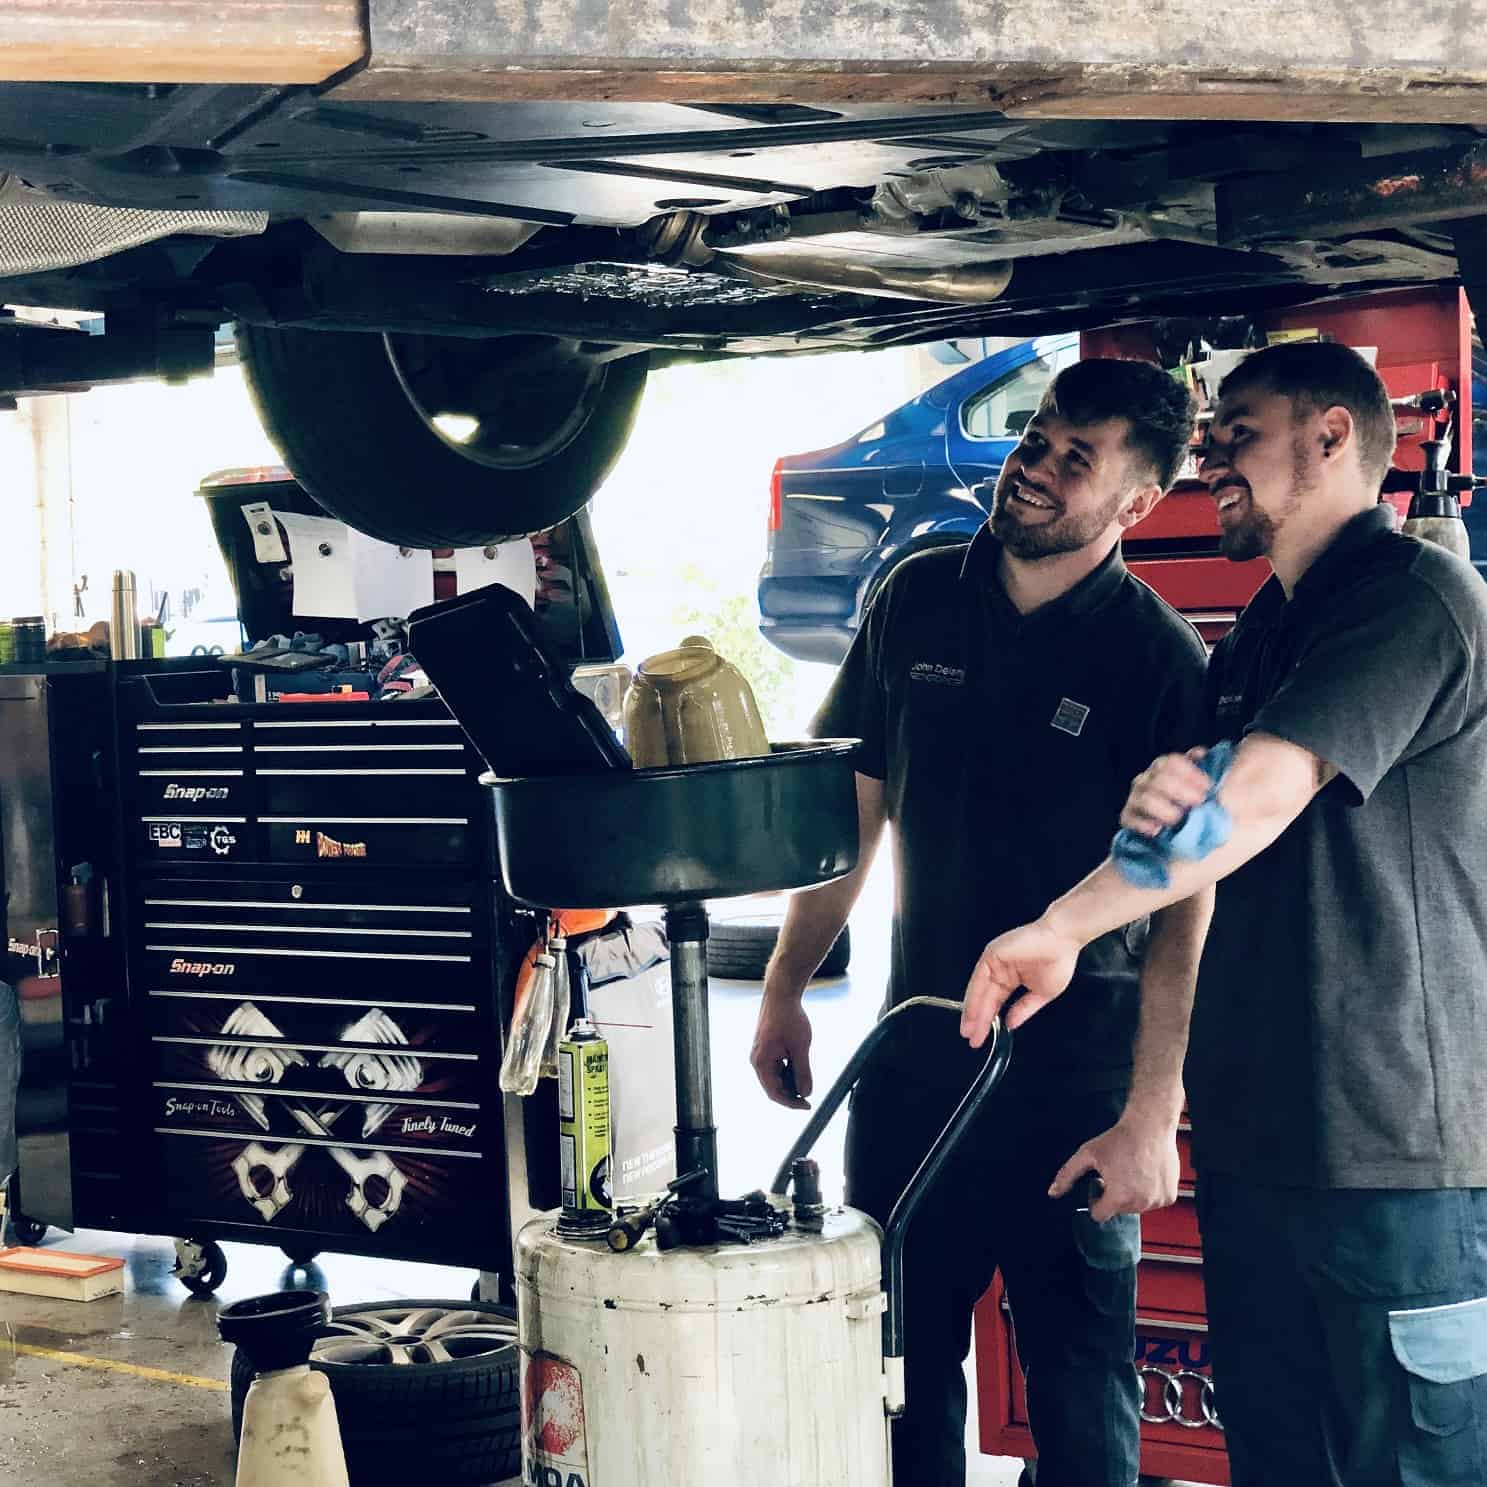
584	1130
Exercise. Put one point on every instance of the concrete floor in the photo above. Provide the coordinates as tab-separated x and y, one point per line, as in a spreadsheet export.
130	1389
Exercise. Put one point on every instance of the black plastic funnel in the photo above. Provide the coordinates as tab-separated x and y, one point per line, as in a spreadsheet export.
275	1331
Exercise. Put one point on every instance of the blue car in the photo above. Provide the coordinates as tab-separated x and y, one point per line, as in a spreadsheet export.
842	519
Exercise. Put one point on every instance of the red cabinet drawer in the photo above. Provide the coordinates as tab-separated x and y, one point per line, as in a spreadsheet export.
1174	1228
1172	1284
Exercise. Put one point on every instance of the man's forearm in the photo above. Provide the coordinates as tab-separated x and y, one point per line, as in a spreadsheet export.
813	920
815	916
1269	784
1168	978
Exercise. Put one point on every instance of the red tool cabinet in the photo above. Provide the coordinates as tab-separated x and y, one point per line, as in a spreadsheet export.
1181	1431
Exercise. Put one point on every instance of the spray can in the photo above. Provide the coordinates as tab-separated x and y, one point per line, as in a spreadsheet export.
583	1120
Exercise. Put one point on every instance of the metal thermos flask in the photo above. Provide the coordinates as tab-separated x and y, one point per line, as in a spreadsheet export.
123	624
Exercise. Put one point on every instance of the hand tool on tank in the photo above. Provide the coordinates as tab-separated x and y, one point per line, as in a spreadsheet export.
630	1224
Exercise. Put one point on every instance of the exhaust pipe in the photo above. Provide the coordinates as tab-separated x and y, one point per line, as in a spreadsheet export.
959	284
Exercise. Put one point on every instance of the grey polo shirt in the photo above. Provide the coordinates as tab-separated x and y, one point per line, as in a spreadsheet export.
1007	744
1339	1036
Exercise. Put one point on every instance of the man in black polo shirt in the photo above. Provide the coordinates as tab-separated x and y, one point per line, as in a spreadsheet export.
1005	693
1337	1073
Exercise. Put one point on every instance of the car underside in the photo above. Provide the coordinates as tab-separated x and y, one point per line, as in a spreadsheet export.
462	299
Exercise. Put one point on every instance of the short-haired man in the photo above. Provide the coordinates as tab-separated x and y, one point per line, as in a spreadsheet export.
1005	693
1337	1074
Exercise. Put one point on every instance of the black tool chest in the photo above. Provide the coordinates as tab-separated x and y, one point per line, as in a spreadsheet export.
312	928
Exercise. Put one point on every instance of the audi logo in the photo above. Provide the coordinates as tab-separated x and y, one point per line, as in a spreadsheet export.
1177	1397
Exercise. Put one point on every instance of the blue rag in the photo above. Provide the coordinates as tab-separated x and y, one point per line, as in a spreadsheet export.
1142	860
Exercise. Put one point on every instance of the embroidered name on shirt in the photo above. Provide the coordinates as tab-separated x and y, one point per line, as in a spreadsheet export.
1069	717
937	674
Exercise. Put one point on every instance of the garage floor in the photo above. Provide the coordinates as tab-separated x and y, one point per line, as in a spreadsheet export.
130	1389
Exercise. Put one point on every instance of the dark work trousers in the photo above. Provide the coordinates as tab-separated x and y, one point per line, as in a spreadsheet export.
1071	1282
1349	1332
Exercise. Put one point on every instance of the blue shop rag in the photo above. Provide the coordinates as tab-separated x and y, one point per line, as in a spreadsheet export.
1142	860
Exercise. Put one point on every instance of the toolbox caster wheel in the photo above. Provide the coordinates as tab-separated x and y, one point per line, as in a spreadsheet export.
201	1268
27	1230
300	1255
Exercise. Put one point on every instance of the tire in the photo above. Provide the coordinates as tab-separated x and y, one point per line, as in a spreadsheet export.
456	1423
739	949
348	412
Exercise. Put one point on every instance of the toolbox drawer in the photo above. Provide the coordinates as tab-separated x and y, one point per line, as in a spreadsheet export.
1179	1406
404	841
440	1128
417	942
347	787
433	1201
165	791
225	1043
350	785
1172	1284
1173	1228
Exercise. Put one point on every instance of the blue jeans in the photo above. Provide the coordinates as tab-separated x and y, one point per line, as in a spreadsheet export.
10	1076
1071	1283
1349	1332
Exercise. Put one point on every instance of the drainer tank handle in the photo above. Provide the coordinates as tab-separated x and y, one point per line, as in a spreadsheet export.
904	1210
998	1057
828	1104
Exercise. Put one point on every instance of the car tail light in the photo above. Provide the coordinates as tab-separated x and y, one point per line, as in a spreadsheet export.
776	514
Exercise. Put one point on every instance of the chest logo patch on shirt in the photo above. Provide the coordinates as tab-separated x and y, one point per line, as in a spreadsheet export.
1069	717
937	674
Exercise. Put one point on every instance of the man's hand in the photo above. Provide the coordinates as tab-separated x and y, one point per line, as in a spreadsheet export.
1136	1161
1165	792
1036	957
782	1052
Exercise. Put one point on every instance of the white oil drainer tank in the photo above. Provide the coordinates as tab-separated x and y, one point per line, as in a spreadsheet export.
735	1365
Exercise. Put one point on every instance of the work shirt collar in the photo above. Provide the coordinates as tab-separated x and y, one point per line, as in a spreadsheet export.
1330	568
980	567
1332	564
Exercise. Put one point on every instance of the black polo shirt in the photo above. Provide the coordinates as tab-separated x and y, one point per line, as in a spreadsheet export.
1339	1037
1007	744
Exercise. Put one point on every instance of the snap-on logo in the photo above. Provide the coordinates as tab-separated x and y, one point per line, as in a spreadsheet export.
196	792
180	967
937	674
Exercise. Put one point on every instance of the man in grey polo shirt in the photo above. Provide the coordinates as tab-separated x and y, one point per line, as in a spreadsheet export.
1337	1069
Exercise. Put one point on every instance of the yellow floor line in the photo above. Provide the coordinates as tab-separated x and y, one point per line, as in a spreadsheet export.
136	1370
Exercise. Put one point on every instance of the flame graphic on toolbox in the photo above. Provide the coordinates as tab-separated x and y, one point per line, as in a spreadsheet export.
262	1170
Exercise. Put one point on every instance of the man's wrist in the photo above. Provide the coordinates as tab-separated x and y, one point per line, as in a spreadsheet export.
783	989
1061	918
1159	1106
